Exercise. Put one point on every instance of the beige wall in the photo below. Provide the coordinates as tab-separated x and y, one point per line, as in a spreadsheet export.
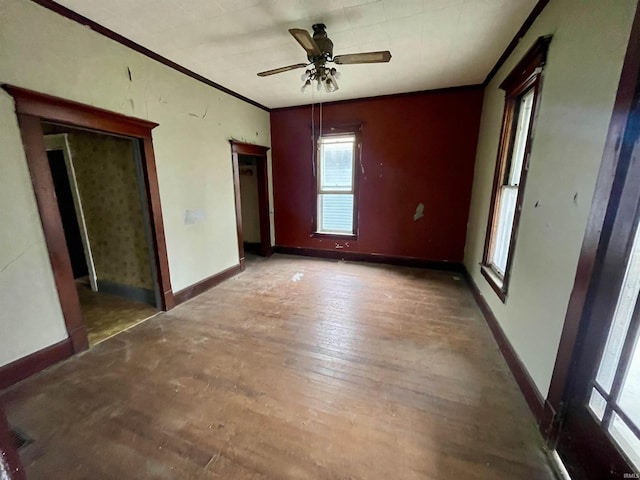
107	180
43	51
249	203
579	88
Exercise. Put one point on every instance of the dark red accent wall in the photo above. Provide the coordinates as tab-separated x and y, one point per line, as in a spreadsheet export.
415	149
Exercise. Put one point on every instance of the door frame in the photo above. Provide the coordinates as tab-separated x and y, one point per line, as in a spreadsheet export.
600	224
59	141
262	173
31	109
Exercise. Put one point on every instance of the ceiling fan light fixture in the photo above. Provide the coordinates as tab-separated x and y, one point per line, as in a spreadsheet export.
305	85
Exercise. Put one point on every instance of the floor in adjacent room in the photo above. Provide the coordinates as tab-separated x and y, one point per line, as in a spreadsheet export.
297	368
107	315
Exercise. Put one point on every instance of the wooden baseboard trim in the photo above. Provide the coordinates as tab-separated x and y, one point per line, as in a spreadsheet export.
523	379
371	258
204	285
35	362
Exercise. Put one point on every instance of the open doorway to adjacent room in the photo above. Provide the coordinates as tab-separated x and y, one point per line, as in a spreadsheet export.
251	184
101	197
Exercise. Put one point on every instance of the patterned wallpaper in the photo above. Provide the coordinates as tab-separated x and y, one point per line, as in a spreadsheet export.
107	181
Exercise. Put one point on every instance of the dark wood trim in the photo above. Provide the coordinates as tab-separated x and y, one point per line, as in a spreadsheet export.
35	151
338	129
526	76
31	109
523	379
537	10
8	452
259	152
68	112
96	27
242	148
157	223
435	91
371	258
485	271
202	286
579	301
37	361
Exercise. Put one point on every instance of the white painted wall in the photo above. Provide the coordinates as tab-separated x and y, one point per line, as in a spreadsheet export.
43	51
580	83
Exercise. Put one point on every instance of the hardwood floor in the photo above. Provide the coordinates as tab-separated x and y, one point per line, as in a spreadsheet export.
297	368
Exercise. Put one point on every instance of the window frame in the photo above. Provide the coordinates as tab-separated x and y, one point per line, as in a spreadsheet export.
525	77
337	131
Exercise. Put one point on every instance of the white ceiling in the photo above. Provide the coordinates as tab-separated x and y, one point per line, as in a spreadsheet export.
434	43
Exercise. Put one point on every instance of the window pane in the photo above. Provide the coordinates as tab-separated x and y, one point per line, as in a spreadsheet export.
504	225
629	399
336	166
597	404
626	440
335	213
520	140
621	319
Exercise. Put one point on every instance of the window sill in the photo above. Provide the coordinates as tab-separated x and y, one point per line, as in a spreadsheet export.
335	236
494	281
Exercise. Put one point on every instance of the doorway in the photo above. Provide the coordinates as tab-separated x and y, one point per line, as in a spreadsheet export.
32	110
100	195
251	185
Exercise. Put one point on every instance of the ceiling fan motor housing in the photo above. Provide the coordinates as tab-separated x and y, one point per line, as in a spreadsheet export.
324	43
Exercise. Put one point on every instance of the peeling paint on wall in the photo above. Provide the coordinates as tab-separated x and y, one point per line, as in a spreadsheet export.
419	212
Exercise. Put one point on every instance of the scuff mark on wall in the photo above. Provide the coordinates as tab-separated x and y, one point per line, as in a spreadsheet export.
575	198
537	204
419	212
129	73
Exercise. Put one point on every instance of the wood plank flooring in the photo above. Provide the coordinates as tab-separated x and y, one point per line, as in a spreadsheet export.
295	369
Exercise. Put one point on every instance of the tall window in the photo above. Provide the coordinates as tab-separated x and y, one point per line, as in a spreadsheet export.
336	185
522	88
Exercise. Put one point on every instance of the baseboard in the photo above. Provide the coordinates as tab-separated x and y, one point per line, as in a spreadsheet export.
204	285
525	382
372	258
137	294
35	362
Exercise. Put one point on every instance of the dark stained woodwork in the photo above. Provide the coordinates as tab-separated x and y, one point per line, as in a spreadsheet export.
38	163
260	154
296	368
157	224
537	10
68	112
25	367
10	463
328	130
31	109
96	27
579	301
193	291
371	258
520	373
525	76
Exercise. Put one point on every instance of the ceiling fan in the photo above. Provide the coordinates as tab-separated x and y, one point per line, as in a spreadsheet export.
319	50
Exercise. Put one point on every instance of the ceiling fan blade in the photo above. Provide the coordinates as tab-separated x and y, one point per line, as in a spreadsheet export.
306	41
367	57
282	69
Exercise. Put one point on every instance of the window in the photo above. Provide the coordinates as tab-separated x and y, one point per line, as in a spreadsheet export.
522	88
336	184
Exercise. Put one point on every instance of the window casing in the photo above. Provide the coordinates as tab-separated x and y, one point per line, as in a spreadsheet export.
336	184
522	91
